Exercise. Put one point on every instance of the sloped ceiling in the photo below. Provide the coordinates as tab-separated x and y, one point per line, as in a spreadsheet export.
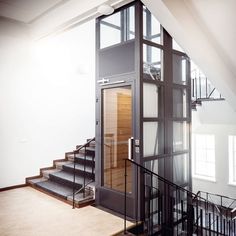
44	17
206	30
27	11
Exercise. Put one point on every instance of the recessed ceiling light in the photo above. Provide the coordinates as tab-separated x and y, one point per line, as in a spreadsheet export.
105	9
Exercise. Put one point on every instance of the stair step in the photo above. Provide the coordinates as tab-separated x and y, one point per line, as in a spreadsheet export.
59	165
46	173
36	180
67	178
81	198
79	169
80	156
59	181
89	150
88	160
55	188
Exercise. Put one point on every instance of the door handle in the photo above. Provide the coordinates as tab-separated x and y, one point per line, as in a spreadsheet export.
103	81
111	83
131	148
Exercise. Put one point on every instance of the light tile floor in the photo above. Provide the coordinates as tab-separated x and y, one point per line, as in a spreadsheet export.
28	212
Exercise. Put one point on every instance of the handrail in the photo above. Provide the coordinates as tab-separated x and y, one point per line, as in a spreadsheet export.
194	212
202	88
79	148
76	152
218	195
167	181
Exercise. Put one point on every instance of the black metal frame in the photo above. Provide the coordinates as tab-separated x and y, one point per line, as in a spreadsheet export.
166	118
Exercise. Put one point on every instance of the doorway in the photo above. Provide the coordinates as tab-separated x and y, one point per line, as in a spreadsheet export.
115	126
116	130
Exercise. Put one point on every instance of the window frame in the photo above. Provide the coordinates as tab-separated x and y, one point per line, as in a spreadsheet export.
232	159
195	174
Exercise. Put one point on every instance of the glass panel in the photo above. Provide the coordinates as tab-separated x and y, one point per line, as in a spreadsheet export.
117	123
180	136
179	69
152	63
180	169
117	28
110	28
131	24
176	46
151	27
152	138
152	100
156	166
180	103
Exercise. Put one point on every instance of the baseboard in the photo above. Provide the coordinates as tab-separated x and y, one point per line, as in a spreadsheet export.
13	187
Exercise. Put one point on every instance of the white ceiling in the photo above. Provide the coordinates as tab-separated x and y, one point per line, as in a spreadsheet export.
27	11
46	17
217	18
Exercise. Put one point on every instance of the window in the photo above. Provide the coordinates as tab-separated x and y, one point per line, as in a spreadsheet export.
152	63
232	159
117	28
180	136
204	156
151	27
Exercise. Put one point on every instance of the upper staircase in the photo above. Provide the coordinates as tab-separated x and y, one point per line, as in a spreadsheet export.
202	90
71	179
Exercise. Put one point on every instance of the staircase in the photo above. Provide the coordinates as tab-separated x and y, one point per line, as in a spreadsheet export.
172	210
71	179
202	90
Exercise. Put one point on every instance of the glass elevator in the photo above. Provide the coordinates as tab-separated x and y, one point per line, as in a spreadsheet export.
142	91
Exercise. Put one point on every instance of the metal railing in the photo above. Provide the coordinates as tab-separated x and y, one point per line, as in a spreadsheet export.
168	209
76	152
202	88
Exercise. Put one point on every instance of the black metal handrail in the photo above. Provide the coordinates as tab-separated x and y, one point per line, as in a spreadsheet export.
226	205
84	170
202	89
169	209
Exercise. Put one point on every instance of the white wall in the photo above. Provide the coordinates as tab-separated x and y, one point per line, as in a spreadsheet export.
216	118
47	98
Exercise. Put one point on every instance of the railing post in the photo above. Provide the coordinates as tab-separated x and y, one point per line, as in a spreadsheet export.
224	226
137	196
177	208
74	181
234	227
190	215
85	157
182	214
209	222
151	200
201	222
125	230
